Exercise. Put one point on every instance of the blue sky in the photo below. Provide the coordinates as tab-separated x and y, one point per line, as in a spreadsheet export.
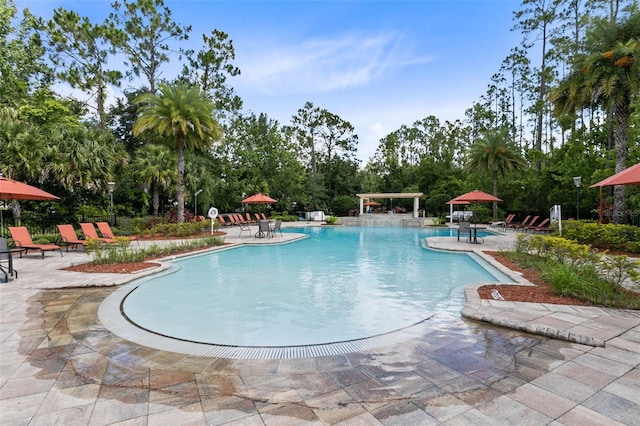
377	64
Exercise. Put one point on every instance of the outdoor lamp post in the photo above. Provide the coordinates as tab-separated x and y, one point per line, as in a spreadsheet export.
577	181
111	186
195	202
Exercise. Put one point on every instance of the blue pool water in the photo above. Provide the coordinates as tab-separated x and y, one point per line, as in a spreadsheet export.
340	283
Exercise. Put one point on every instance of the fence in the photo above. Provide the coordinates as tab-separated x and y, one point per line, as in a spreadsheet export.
46	225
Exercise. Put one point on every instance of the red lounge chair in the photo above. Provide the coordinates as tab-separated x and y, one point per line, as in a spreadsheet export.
70	237
525	222
223	222
89	232
542	227
530	224
106	232
22	239
263	216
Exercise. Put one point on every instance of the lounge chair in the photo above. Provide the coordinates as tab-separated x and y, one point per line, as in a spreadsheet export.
263	217
248	216
106	232
541	227
22	239
525	222
531	223
464	228
69	237
503	223
223	222
90	233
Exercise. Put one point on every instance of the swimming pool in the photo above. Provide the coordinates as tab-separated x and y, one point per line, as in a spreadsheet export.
339	284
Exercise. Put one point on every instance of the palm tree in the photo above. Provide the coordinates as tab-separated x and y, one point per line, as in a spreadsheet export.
493	153
608	76
156	166
182	117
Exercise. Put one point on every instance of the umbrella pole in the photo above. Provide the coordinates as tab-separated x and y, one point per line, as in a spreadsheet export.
600	212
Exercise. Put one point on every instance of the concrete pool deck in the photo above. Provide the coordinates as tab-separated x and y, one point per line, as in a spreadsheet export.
60	365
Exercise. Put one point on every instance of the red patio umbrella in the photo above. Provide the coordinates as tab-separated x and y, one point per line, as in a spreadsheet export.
370	204
628	176
475	196
13	190
259	199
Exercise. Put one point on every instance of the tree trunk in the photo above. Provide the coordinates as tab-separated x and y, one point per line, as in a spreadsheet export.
180	195
155	200
495	194
622	125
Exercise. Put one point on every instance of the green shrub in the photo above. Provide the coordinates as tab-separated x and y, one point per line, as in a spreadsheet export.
603	236
122	252
573	269
331	220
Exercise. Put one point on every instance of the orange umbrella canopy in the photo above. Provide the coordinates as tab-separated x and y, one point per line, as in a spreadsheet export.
13	190
370	204
259	199
475	196
629	176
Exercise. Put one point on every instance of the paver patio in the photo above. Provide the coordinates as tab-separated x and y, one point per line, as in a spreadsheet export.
60	365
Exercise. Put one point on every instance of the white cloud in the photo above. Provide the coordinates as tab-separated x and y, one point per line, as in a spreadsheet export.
322	65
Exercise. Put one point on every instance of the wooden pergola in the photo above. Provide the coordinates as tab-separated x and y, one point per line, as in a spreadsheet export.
391	195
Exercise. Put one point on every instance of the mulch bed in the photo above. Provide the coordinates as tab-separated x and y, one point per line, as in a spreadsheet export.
127	268
540	293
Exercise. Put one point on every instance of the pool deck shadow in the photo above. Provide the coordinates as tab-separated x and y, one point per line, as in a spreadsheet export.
60	365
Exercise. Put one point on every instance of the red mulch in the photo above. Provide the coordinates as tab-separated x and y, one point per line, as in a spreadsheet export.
540	293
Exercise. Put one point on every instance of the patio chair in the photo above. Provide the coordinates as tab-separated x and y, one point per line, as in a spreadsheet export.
264	229
89	232
22	239
69	237
5	258
277	228
464	228
106	232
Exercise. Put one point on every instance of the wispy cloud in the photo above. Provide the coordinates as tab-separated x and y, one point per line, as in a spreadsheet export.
323	65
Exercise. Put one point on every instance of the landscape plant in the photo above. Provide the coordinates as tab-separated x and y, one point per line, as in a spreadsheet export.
123	252
575	270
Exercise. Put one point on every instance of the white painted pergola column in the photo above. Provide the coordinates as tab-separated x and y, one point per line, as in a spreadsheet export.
416	199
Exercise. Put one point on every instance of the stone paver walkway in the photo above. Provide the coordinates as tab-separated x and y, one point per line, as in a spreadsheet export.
60	365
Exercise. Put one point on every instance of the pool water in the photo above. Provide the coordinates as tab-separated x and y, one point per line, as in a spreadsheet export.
339	284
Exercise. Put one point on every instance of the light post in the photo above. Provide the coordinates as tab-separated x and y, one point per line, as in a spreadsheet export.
577	181
111	186
195	202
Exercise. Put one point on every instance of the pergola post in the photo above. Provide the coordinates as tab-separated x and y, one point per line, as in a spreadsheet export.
416	204
361	206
